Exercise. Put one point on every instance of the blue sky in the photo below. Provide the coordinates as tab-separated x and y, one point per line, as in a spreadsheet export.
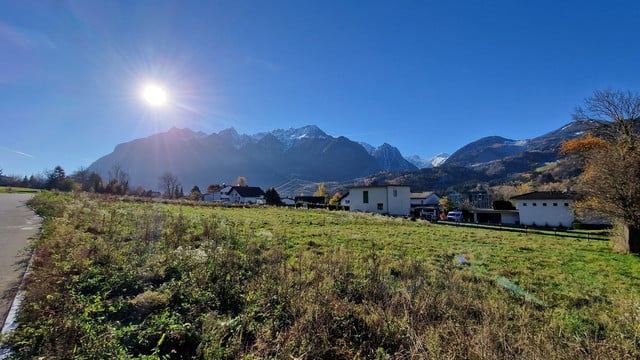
425	76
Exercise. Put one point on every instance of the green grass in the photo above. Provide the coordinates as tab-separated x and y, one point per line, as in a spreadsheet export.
13	189
115	278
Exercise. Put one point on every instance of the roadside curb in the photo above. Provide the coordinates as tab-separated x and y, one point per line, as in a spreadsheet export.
10	322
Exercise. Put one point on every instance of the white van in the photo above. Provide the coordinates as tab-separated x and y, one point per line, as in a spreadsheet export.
455	215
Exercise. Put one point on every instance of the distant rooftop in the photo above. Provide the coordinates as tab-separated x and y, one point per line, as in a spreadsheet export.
545	195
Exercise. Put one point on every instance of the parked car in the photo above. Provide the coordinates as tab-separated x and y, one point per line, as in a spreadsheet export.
455	215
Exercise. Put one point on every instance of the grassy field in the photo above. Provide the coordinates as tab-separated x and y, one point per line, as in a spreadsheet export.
117	278
13	189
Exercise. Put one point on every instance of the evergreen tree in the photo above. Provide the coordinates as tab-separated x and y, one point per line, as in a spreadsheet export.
271	197
55	178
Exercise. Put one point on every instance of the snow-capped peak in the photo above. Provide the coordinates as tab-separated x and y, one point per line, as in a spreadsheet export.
290	136
428	163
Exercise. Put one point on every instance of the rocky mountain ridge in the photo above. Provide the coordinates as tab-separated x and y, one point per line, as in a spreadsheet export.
265	159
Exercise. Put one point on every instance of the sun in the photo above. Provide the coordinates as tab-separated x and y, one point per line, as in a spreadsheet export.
154	95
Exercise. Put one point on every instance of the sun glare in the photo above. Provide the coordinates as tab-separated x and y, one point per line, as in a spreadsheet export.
154	95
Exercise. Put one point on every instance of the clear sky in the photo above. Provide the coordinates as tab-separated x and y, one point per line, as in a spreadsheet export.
425	76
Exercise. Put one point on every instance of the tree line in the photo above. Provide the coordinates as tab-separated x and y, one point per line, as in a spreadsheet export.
116	183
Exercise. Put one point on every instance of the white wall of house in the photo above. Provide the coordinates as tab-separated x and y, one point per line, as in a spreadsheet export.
510	218
346	201
551	212
214	196
234	197
392	199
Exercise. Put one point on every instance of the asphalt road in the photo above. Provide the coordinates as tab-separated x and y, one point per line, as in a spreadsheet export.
17	224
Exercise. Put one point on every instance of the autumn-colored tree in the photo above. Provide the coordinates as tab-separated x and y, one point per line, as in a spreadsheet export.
335	200
446	205
581	146
610	183
322	191
241	181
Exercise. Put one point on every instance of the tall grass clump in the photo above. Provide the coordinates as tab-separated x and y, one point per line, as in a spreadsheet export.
120	279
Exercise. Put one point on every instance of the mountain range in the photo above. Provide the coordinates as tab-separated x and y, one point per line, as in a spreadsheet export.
494	159
297	158
264	159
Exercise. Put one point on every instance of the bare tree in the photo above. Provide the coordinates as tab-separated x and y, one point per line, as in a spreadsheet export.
118	178
616	111
610	183
169	184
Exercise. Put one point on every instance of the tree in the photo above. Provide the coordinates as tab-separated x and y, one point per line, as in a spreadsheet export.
445	204
335	200
322	191
96	182
55	178
87	180
502	205
271	197
140	191
118	180
169	184
610	183
195	193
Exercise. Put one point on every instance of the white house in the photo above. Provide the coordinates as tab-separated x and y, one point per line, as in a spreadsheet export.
426	198
246	194
217	193
545	208
386	199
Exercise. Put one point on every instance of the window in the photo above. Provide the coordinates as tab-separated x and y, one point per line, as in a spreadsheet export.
524	204
534	204
380	206
566	204
365	197
395	193
555	204
544	204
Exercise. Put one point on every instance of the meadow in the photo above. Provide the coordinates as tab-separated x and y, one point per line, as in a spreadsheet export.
13	189
123	278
